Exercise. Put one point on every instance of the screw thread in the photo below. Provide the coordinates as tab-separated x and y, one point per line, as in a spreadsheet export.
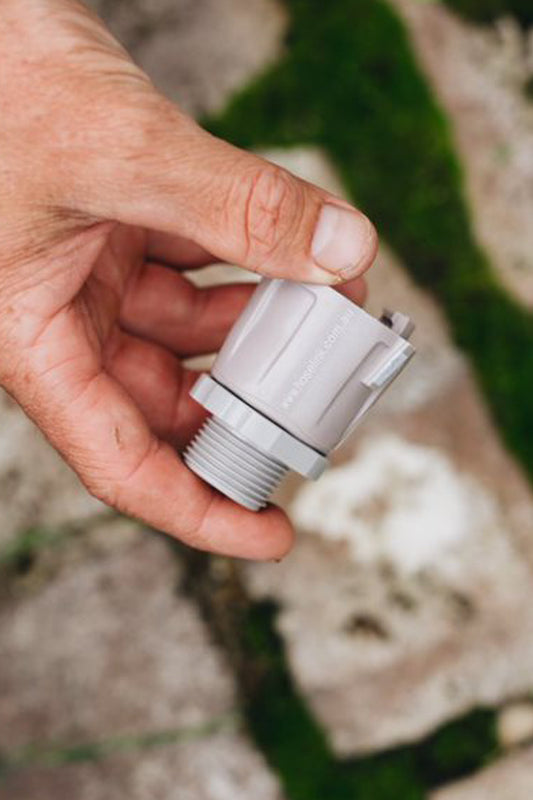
232	465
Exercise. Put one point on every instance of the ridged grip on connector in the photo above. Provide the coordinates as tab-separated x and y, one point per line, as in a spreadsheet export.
233	466
310	360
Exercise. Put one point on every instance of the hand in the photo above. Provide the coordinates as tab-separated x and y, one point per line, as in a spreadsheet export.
107	190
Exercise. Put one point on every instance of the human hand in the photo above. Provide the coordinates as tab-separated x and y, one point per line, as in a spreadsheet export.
107	190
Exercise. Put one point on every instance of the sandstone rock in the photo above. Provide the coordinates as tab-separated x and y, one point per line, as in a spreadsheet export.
480	76
509	779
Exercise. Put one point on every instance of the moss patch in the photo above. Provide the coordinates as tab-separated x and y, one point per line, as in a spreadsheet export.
350	83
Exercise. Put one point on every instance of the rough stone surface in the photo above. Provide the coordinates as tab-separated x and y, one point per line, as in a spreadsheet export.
509	779
480	76
401	504
36	486
419	554
198	51
107	648
219	767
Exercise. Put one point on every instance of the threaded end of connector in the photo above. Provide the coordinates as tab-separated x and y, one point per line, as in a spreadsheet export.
235	467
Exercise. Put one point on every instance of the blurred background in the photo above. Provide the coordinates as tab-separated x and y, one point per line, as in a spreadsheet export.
391	654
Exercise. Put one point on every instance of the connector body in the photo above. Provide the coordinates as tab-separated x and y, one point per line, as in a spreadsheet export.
300	368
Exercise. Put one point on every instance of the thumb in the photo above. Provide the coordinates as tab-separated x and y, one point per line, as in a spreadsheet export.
176	178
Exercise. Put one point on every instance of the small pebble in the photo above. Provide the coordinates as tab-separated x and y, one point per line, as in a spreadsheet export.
515	724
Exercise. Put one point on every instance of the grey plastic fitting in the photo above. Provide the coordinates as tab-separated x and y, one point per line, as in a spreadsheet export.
300	368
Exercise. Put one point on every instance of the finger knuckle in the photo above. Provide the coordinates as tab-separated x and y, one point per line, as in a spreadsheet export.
273	205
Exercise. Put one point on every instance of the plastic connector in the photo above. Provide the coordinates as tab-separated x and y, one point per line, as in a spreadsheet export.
299	370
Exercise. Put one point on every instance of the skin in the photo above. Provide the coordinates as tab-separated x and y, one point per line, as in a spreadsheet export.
107	192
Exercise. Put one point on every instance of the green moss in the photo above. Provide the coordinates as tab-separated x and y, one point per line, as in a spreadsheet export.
350	83
489	10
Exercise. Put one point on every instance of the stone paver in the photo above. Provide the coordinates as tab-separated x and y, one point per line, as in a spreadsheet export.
419	554
479	75
107	649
